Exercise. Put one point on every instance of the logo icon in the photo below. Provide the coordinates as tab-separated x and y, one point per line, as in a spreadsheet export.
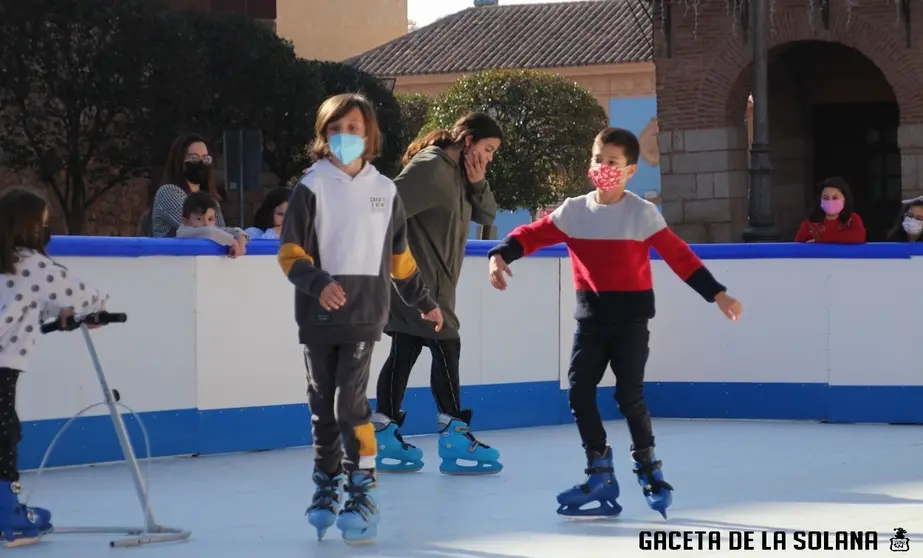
378	204
900	542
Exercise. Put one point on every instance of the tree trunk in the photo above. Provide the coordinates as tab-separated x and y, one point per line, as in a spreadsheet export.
75	220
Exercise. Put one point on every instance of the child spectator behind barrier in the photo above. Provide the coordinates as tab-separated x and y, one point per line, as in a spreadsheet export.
909	224
199	217
833	220
267	220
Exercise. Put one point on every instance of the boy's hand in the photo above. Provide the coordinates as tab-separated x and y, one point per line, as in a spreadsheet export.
333	297
497	268
241	245
435	316
234	249
729	305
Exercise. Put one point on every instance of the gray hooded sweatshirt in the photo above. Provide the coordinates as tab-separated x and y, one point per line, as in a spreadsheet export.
350	230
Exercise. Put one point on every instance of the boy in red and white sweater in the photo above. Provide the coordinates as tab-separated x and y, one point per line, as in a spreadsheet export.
609	234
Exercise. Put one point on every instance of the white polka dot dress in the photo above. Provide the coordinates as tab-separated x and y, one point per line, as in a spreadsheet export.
40	289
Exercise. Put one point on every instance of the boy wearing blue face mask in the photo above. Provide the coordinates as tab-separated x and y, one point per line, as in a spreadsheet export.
343	243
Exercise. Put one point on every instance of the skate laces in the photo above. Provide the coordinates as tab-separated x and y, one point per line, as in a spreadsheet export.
466	432
590	471
647	472
359	500
328	491
404	445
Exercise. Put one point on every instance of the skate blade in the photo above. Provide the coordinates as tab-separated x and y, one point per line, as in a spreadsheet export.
603	511
321	526
359	542
360	538
661	504
24	541
481	469
403	467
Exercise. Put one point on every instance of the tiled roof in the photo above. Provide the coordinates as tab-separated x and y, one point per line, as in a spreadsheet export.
587	33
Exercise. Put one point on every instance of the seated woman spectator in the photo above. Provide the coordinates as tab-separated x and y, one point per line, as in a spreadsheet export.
833	220
909	226
188	170
267	221
199	217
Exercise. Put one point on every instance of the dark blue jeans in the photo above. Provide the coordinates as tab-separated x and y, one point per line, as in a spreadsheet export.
624	348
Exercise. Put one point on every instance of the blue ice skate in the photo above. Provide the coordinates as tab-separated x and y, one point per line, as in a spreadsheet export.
456	443
391	446
658	492
20	525
600	486
325	505
359	518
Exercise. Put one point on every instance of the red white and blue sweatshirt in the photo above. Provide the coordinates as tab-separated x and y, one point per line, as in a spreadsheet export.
609	247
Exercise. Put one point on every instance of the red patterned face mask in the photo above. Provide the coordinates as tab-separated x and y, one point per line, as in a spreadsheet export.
605	177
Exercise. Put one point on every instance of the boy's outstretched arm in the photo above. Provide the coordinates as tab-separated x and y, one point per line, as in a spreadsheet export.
298	240
404	273
680	257
526	239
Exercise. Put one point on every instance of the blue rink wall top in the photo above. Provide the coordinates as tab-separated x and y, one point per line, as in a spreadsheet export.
497	406
129	247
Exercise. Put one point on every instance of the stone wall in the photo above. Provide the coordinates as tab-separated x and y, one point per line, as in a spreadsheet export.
910	139
704	183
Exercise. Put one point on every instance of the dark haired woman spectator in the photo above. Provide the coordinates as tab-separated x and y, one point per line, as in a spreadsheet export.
188	169
909	226
833	220
443	189
267	220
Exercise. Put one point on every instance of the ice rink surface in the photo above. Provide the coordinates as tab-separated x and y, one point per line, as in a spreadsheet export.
728	476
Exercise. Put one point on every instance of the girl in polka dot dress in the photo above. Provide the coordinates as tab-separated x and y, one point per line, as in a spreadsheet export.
32	288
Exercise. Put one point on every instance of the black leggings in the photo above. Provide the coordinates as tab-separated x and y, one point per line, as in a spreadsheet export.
10	427
405	349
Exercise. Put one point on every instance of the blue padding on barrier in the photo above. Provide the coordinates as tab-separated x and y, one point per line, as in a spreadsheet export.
126	247
498	406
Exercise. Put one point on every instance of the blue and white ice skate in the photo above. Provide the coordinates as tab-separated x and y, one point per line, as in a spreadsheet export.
20	525
658	492
325	505
599	487
456	443
359	517
392	447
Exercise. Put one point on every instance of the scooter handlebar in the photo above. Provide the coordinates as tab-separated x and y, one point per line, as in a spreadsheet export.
74	322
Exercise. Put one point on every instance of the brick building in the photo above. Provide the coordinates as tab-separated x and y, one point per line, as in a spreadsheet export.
845	98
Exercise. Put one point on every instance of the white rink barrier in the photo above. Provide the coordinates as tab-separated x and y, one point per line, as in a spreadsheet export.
210	358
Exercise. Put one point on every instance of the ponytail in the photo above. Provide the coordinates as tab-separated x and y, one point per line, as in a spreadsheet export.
439	138
474	125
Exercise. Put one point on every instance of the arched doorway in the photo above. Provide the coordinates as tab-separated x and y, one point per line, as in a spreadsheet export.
832	112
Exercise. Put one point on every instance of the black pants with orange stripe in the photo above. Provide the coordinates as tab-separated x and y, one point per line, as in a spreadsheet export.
338	377
443	376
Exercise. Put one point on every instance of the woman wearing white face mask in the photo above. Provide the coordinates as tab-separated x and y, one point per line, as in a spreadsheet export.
910	226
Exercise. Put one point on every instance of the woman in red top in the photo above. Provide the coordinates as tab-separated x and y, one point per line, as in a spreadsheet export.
833	220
